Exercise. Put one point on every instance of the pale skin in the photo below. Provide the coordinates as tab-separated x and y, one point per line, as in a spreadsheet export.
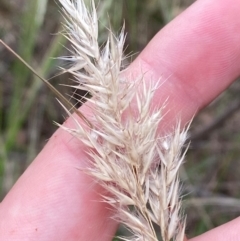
199	55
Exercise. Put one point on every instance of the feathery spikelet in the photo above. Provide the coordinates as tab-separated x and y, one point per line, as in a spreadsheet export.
138	168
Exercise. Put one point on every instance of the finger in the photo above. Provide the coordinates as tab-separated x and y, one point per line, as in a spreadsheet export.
197	55
53	200
226	232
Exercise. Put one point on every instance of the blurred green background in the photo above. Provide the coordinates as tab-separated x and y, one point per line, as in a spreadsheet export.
211	175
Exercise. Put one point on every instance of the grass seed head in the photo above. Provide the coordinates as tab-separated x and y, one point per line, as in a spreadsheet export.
128	158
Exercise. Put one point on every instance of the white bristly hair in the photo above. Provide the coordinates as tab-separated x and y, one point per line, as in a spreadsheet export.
138	168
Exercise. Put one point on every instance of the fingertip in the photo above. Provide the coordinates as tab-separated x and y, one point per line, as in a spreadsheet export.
196	56
226	232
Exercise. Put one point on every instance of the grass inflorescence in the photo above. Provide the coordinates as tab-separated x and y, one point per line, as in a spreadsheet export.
27	109
137	167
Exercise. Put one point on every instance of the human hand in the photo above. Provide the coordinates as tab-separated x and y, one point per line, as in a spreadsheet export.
198	53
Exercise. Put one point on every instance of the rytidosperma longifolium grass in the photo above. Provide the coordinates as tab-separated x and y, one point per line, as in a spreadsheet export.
138	168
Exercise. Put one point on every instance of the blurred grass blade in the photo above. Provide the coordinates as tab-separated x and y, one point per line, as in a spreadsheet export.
51	87
44	68
30	24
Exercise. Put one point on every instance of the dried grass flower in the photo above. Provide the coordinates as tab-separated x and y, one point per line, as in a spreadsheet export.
137	167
